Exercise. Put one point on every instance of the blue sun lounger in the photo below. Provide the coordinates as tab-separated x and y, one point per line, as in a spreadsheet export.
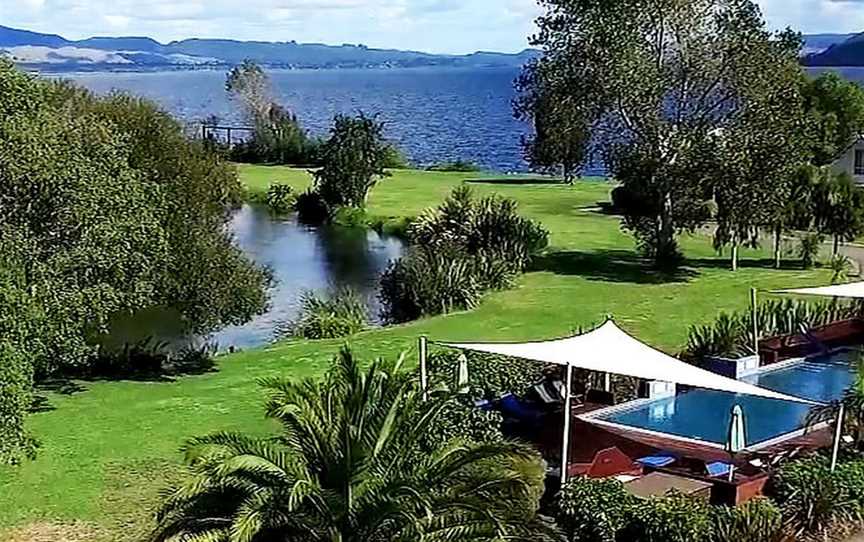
657	460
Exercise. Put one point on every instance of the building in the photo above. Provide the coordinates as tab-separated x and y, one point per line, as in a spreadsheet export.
853	162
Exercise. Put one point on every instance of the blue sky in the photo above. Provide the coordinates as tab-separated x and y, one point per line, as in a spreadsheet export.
446	26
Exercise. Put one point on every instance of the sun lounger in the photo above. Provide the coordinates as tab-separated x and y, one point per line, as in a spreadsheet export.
606	463
718	469
658	460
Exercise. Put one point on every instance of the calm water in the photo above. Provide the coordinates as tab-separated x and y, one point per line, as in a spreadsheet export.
704	414
305	258
433	114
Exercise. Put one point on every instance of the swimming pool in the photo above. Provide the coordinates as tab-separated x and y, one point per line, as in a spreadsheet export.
703	415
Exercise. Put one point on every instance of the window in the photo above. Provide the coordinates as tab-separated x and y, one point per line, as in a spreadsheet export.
859	161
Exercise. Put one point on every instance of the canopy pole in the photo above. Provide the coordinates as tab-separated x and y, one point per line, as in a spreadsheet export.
565	448
607	382
837	432
424	377
755	321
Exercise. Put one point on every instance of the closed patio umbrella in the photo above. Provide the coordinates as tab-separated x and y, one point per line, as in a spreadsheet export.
736	438
462	376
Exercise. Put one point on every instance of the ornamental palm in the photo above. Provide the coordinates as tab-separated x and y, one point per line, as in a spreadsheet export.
350	465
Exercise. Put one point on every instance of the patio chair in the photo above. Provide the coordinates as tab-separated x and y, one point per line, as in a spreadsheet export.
600	397
718	469
512	407
658	460
606	463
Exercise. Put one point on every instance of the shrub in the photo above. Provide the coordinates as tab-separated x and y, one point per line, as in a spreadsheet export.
311	208
675	518
350	217
593	510
456	166
489	226
427	282
395	226
757	520
808	249
813	499
280	198
490	375
460	419
340	314
394	158
840	267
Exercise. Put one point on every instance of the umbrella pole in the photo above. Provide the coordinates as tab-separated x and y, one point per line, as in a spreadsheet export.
424	378
755	317
565	448
732	468
837	432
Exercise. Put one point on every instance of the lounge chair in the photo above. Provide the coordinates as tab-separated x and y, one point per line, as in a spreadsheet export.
600	397
512	407
606	463
662	459
718	469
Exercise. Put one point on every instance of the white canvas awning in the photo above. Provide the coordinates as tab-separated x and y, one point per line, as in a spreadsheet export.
851	290
609	349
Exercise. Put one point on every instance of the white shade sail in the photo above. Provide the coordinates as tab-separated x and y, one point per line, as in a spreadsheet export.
609	349
852	290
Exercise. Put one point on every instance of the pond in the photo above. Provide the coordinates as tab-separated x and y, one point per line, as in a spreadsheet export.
305	258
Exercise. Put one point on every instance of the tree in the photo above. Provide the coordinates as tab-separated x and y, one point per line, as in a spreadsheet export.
659	78
352	161
106	208
348	465
560	142
250	85
838	207
835	109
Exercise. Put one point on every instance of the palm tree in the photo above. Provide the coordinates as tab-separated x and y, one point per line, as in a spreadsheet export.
349	465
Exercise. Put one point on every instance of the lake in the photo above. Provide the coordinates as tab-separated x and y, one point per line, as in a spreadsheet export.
433	114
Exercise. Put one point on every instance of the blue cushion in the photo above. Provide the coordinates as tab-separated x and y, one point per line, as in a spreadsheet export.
718	468
659	460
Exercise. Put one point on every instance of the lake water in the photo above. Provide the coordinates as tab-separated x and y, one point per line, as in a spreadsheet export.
305	258
433	114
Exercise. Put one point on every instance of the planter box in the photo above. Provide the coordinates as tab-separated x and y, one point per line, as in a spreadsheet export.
736	368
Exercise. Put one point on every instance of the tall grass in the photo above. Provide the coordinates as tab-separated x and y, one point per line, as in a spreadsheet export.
339	313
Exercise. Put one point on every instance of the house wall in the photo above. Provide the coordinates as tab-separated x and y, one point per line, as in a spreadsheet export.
847	162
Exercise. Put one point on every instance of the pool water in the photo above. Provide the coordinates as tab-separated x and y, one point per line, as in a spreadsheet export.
704	414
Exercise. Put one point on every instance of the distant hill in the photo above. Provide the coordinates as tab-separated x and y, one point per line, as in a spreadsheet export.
849	52
817	43
52	52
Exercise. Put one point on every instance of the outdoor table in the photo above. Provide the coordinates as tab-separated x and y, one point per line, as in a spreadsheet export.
658	484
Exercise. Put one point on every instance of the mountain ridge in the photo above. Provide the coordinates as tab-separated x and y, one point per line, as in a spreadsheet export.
55	53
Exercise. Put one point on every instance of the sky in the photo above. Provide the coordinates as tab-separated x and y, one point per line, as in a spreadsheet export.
439	26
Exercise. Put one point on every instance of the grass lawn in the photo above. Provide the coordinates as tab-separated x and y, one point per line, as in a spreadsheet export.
109	448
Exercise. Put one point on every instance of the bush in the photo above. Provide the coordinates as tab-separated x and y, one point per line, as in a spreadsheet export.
808	249
456	166
490	375
394	158
350	217
489	226
312	209
593	510
757	520
395	226
460	419
280	198
340	314
428	282
813	499
675	518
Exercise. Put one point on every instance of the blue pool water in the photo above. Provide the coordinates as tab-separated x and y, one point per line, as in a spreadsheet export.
704	414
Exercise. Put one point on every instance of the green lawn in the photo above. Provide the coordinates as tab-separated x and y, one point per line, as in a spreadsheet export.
108	449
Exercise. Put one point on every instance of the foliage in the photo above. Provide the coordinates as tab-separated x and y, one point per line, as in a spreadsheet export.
352	161
394	158
350	217
675	518
732	334
654	81
809	246
490	225
348	464
490	375
428	282
838	207
460	419
311	208
560	142
840	267
342	312
835	109
815	500
593	510
280	198
250	85
116	211
757	520
277	138
456	166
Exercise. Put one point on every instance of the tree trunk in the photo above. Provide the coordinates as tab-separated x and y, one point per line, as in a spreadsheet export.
836	245
778	240
666	230
734	252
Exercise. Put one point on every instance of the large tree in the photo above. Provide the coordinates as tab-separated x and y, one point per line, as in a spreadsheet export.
350	463
106	209
657	79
